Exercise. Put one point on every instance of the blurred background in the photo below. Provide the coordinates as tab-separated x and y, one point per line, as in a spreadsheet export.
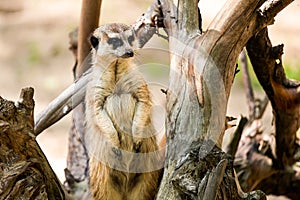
34	52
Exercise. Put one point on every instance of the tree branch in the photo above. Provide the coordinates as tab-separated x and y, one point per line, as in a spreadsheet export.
247	84
234	143
283	93
202	70
266	162
272	7
147	25
63	104
89	21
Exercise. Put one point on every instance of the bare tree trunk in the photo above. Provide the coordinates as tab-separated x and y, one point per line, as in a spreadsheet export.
202	72
24	170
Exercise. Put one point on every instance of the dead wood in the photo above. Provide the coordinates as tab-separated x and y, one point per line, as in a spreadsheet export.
89	21
247	83
63	104
253	153
202	72
283	93
25	172
270	159
232	148
265	160
285	182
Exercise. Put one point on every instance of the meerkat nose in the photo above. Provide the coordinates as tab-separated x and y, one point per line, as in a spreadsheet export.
128	53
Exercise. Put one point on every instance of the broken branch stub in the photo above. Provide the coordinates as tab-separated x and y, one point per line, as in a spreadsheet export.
24	170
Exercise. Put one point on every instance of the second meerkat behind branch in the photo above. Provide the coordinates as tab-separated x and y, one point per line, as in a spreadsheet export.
125	161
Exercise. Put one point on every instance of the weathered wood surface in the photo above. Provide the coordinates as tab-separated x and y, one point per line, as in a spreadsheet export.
284	95
202	72
24	170
266	160
201	75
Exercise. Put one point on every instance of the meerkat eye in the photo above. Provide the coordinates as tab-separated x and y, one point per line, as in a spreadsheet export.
130	39
94	41
116	42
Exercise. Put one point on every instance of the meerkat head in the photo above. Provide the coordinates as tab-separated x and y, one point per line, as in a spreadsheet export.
113	41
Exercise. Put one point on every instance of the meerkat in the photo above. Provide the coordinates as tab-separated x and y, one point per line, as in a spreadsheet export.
121	140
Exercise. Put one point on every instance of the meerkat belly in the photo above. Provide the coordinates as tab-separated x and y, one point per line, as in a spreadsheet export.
120	108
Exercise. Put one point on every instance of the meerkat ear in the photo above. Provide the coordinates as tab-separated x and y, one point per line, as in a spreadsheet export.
94	41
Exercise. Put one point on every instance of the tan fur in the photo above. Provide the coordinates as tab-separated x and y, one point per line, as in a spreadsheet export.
120	137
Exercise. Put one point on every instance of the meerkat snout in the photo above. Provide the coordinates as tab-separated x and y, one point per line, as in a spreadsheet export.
128	53
116	40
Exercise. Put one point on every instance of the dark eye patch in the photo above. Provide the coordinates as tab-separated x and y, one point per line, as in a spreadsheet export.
130	39
116	42
94	41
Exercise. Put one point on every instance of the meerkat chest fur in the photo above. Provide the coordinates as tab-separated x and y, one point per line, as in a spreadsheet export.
118	91
118	120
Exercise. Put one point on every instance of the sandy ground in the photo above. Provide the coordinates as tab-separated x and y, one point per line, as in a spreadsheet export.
34	52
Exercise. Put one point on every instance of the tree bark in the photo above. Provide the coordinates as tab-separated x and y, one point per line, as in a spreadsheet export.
202	71
89	21
201	74
283	93
25	172
266	160
271	156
